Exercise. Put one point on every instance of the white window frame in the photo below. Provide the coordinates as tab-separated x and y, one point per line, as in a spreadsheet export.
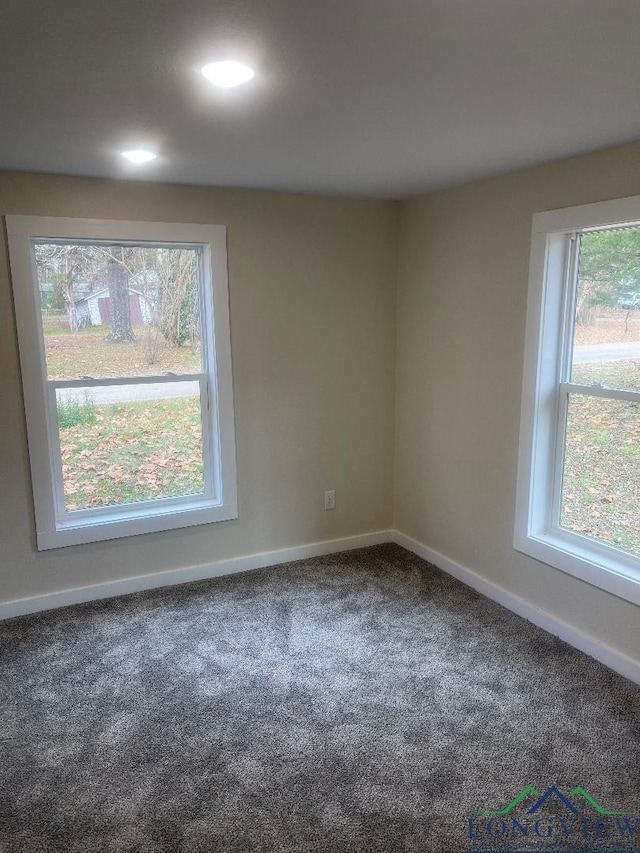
546	387
55	525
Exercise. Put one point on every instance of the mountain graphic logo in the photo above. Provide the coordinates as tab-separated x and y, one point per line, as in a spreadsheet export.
553	791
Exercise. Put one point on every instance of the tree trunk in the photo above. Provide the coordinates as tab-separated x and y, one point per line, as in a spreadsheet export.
586	315
121	330
69	298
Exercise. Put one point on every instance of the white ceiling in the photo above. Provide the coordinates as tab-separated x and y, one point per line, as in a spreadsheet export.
361	97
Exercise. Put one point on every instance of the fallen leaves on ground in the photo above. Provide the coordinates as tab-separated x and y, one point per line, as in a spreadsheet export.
85	353
601	496
133	452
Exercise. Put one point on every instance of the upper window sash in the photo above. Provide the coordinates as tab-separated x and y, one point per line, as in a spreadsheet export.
205	312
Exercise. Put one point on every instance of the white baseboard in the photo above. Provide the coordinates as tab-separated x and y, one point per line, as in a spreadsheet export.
111	589
610	657
615	660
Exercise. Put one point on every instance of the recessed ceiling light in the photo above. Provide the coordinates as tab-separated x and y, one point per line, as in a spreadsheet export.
227	74
139	155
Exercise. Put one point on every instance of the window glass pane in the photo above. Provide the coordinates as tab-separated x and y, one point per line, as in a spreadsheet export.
601	484
606	346
111	310
127	443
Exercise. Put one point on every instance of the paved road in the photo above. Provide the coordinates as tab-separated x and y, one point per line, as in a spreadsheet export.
133	393
606	352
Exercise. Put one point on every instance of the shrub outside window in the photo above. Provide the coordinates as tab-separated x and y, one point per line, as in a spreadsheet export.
123	329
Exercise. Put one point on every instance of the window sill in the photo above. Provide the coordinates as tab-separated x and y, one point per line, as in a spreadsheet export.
133	522
597	564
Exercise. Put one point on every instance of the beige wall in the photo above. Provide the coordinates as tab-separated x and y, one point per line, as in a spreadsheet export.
462	287
312	293
313	316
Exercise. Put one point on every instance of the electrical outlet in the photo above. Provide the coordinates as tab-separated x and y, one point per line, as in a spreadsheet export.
330	499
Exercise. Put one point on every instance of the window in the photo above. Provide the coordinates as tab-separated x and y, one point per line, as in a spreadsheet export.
578	499
123	329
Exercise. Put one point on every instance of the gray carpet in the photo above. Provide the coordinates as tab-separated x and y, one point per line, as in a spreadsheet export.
358	702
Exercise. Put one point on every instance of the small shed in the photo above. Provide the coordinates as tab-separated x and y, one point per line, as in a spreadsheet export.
95	309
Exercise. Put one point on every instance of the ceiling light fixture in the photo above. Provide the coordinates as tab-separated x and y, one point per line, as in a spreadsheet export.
227	74
139	155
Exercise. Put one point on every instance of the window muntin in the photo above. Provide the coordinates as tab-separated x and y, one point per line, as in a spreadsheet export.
579	427
129	408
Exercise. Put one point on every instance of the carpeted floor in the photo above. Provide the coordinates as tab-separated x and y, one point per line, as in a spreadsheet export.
358	702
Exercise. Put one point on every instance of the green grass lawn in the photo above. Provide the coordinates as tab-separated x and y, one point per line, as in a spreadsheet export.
133	452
